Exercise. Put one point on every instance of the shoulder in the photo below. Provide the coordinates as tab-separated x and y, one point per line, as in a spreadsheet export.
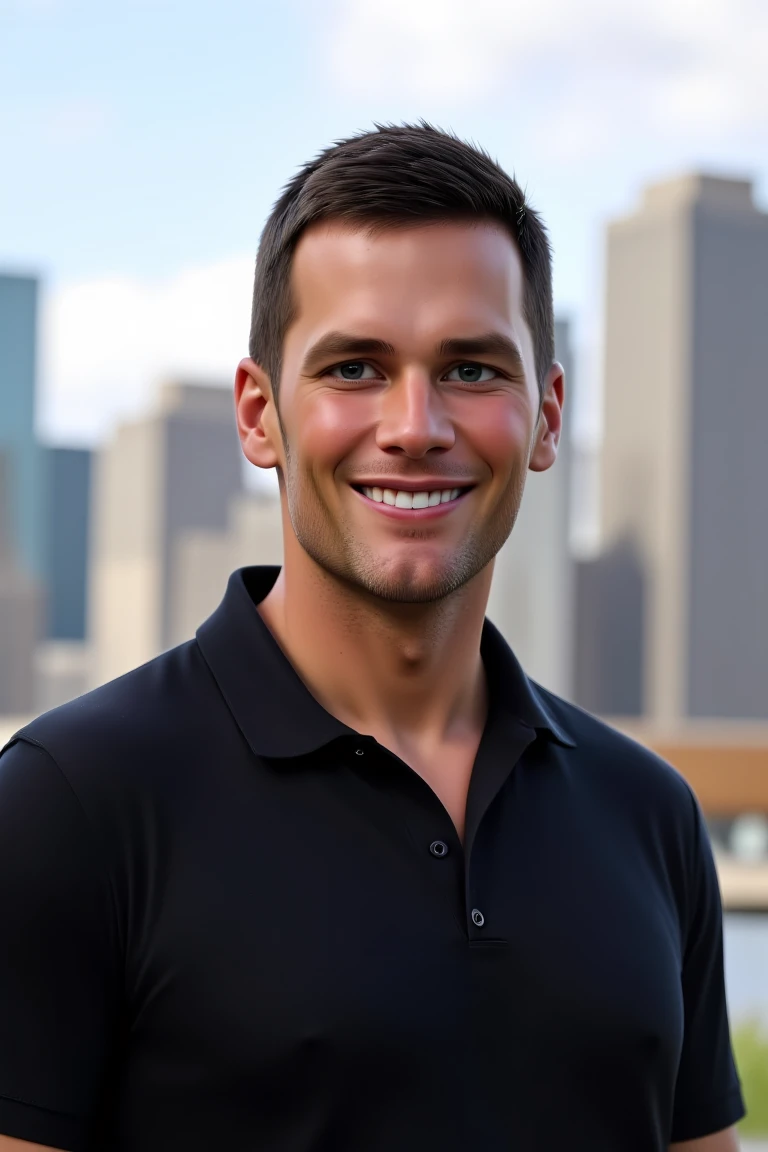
636	801
120	732
613	761
141	697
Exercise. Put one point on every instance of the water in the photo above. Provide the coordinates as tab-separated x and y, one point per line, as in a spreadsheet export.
746	979
746	966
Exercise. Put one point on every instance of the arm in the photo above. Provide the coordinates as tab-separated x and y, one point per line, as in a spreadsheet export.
708	1100
725	1141
61	970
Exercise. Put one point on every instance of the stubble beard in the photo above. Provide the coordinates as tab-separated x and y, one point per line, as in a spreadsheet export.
347	559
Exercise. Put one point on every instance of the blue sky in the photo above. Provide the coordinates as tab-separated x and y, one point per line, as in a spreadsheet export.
142	146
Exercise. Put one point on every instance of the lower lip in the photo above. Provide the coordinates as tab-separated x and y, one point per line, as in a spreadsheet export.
412	513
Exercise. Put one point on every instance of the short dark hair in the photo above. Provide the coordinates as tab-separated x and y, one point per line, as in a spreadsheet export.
397	175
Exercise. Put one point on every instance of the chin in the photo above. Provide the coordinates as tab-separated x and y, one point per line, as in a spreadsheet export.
414	584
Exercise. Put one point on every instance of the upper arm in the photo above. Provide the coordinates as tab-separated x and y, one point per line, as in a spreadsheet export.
725	1141
707	1091
60	963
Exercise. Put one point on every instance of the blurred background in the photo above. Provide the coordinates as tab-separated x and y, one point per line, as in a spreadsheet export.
141	149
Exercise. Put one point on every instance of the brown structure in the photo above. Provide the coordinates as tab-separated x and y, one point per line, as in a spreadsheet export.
726	764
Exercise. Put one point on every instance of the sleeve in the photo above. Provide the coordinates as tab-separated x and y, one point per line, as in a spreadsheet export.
707	1093
60	967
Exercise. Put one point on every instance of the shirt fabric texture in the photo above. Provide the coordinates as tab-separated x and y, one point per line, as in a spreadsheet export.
230	921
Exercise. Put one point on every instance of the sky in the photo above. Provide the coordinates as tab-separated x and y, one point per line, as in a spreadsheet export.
142	146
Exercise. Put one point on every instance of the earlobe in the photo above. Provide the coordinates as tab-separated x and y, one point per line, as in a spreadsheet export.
254	408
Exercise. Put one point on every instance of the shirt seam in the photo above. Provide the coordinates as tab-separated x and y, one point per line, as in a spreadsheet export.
94	838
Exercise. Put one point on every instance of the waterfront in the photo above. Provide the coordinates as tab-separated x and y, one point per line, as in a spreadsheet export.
746	965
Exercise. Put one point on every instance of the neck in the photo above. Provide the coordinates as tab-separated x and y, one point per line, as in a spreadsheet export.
408	673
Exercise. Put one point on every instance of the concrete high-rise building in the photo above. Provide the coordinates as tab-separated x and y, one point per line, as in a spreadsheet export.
609	644
21	612
174	472
531	599
205	559
684	468
63	658
25	457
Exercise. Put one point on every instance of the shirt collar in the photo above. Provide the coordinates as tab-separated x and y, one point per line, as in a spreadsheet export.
275	711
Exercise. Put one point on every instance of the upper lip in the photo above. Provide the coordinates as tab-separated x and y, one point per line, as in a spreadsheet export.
413	485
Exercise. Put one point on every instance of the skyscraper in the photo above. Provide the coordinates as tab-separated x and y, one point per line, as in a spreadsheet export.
532	590
25	457
158	479
685	470
69	484
205	558
20	613
62	660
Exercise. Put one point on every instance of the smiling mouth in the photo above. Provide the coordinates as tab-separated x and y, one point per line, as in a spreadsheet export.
400	498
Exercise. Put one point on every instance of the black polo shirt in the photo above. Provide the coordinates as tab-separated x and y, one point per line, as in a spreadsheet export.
229	921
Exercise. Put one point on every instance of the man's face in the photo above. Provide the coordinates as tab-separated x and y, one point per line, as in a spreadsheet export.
408	405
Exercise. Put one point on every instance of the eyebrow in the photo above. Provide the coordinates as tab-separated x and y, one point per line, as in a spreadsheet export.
346	344
343	344
490	344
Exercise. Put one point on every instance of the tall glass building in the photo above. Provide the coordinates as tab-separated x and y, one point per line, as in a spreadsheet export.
27	458
69	479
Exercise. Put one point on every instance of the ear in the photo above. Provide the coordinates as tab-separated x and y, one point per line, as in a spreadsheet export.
258	424
550	423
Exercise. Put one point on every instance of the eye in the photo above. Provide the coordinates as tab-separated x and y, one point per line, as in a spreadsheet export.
469	373
353	370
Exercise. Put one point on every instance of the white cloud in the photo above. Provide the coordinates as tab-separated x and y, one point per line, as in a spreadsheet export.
669	67
108	343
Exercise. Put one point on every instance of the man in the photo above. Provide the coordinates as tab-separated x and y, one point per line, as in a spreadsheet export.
334	874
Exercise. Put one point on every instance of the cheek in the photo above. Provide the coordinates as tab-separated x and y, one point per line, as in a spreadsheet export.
329	427
498	429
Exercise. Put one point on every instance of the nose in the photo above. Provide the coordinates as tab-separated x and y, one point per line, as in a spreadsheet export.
413	418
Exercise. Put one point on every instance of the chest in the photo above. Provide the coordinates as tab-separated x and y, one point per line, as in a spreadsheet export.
347	948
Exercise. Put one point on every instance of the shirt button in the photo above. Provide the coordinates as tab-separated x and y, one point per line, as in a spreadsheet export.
438	848
359	752
477	917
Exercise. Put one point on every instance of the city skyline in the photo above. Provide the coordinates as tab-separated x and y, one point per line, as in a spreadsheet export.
607	645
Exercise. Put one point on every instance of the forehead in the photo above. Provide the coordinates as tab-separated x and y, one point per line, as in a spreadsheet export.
460	270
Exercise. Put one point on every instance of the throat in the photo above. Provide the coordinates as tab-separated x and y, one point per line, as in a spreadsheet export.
447	769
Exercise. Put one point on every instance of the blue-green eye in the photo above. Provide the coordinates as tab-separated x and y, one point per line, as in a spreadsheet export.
352	370
472	373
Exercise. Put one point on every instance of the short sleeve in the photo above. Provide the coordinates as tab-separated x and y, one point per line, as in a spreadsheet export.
707	1093
60	967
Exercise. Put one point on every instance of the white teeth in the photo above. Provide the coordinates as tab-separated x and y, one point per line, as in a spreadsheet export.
401	499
